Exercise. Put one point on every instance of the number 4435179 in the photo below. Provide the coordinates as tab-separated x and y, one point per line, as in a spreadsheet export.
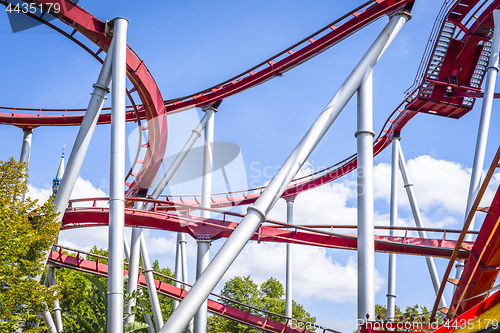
32	7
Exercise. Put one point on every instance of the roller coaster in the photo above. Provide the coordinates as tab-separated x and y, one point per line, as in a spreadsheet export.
459	56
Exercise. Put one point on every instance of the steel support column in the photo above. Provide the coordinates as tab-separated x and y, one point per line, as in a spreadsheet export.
418	221
366	243
203	259
289	261
117	175
183	243
180	157
178	267
147	317
82	141
51	281
484	126
150	281
257	213
26	147
49	322
133	270
391	283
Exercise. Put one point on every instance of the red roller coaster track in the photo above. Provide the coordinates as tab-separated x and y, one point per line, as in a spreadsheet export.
249	317
448	81
222	228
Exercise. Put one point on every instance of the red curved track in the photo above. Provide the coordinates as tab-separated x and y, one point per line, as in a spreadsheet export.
452	68
169	220
464	77
137	72
275	66
248	318
447	84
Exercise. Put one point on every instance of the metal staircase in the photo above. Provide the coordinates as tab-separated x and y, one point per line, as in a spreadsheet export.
437	57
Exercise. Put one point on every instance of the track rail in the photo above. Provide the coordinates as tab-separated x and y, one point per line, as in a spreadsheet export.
163	218
224	307
370	11
152	106
483	263
473	280
275	66
475	31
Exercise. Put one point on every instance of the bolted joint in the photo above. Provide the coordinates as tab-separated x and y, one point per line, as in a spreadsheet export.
406	185
363	131
258	211
401	12
390	295
109	27
100	86
197	132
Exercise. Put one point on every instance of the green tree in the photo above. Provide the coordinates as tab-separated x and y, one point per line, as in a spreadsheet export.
412	314
74	287
27	231
268	296
93	320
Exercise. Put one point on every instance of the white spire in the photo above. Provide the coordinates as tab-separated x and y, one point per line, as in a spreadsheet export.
59	175
60	171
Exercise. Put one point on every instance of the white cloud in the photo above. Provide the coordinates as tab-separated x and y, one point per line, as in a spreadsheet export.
82	189
166	245
40	194
315	274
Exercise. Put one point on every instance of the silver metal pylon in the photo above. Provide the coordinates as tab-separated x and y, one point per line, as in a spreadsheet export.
391	283
183	244
178	267
289	261
180	157
49	322
256	214
114	322
147	317
418	221
82	141
56	308
365	209
133	269
150	281
484	125
26	147
203	259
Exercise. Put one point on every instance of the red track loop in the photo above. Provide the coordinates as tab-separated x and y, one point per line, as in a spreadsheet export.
455	107
163	218
244	314
284	61
137	72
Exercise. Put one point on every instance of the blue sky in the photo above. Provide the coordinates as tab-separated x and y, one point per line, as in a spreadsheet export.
191	45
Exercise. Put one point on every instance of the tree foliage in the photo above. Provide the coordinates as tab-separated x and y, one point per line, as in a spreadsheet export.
27	231
412	314
268	296
85	305
93	319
